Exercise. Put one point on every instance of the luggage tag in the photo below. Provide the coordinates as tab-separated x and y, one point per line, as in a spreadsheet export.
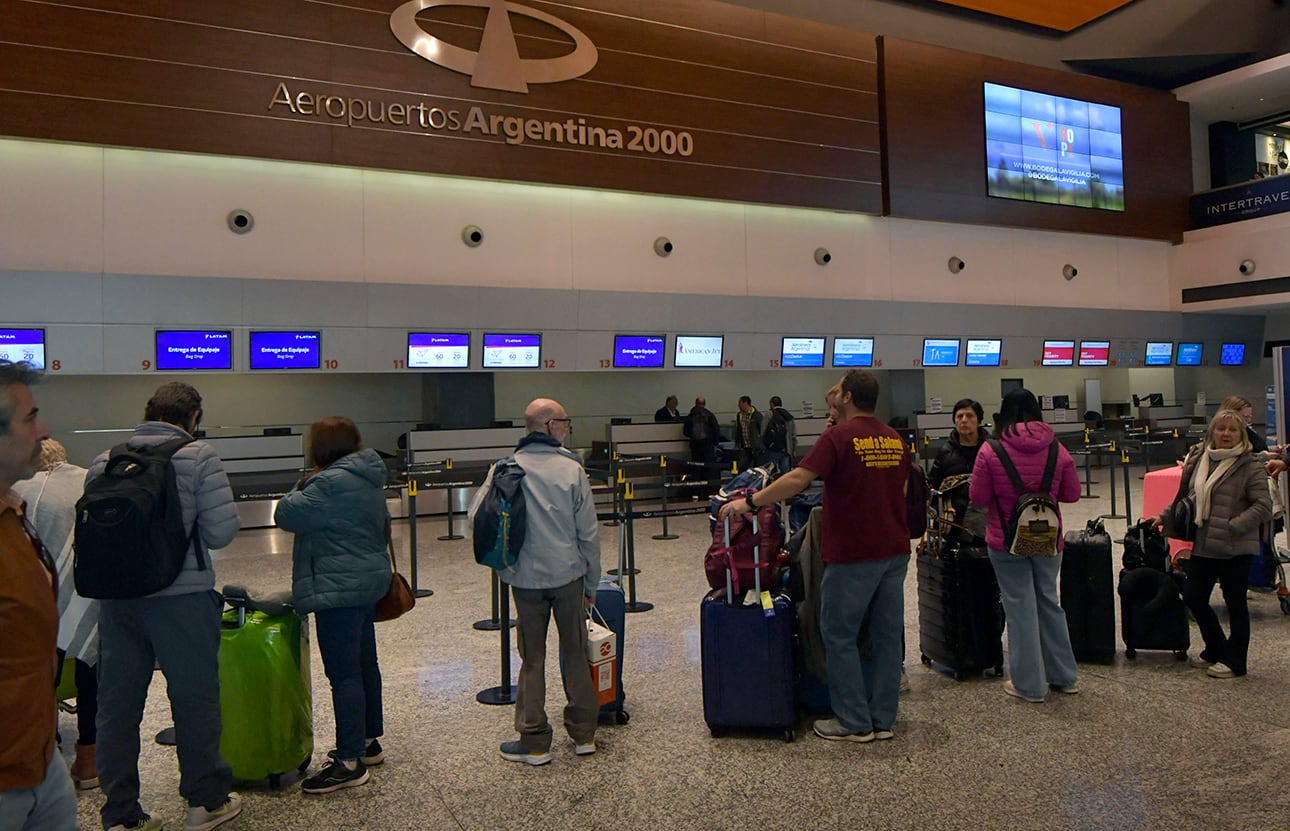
767	605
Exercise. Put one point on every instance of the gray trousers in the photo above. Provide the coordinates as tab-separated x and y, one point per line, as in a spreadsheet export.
533	610
182	634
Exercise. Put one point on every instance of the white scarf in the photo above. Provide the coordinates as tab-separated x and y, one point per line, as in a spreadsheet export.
1204	479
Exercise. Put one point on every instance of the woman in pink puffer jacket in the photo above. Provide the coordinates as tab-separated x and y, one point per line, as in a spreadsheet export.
1039	645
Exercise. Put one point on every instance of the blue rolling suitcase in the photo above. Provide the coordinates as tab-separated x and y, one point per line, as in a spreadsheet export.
612	607
748	662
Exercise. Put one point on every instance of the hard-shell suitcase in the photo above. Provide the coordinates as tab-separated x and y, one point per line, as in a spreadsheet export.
266	695
748	662
1088	593
960	616
1152	612
612	607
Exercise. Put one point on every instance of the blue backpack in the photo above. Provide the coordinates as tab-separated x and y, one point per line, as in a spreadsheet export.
500	522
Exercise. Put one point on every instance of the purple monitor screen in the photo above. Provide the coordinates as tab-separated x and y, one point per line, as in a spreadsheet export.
438	350
639	350
25	345
512	351
285	350
194	350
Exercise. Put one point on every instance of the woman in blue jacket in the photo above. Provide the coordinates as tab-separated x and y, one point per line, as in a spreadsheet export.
340	569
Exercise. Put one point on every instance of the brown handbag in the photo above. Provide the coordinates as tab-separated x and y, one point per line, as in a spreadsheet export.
399	598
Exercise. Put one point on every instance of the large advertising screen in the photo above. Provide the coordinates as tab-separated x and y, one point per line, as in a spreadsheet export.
802	352
23	345
1094	352
940	352
438	350
853	351
512	351
1159	353
639	350
1058	353
982	352
698	351
285	350
1189	354
190	349
1045	148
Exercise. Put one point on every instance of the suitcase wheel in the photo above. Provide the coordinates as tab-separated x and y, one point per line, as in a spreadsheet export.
1180	654
716	730
960	675
926	660
275	781
790	735
998	670
1130	653
622	717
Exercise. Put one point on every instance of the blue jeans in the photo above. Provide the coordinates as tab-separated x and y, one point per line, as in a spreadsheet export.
50	806
1039	644
782	461
347	641
849	591
181	634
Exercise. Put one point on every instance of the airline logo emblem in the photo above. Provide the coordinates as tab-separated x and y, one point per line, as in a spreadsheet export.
497	64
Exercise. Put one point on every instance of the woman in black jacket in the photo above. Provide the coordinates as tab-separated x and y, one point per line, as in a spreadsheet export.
959	453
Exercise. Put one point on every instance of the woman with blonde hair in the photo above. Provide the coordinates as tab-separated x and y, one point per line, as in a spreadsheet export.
1230	490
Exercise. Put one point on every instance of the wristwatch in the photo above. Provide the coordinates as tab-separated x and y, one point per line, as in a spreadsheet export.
748	499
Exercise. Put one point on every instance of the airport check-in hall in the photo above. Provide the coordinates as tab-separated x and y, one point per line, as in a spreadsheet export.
423	216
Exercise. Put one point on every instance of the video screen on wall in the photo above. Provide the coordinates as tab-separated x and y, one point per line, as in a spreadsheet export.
1189	354
438	350
1232	354
1045	148
189	349
639	350
853	351
1058	353
698	351
285	350
1159	353
802	352
940	352
23	345
512	351
982	352
1094	352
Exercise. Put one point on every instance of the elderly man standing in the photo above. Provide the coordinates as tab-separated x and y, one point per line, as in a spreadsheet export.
35	790
556	574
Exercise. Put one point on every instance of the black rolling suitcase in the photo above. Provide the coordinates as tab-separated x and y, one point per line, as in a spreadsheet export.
1088	593
960	616
1152	612
747	660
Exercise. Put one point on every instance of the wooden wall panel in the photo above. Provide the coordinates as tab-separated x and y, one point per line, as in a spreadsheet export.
780	111
934	123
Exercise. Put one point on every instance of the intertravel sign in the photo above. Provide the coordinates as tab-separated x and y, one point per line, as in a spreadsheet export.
688	97
1261	197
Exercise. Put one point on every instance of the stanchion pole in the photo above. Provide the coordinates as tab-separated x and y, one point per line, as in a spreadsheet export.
632	605
412	538
1128	495
615	478
1088	477
505	692
624	529
1111	476
492	624
451	535
662	479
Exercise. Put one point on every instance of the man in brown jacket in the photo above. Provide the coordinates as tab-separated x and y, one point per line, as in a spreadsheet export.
35	790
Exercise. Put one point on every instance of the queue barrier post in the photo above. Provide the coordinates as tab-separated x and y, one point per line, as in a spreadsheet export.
632	605
504	693
662	482
492	624
417	591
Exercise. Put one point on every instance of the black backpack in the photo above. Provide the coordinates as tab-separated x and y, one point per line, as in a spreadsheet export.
699	427
130	539
776	436
1035	524
501	521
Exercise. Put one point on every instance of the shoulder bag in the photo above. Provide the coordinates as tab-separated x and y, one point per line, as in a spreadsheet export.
399	598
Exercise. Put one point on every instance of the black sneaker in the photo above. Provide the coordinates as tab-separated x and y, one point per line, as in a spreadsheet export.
335	776
373	754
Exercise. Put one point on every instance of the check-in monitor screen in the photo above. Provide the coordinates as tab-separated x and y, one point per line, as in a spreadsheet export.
1232	354
1059	353
189	349
802	352
1159	353
438	350
940	352
1189	354
1094	352
982	352
285	350
698	351
512	351
23	345
639	351
853	351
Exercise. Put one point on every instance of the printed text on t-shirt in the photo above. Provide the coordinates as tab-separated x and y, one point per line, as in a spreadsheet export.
879	451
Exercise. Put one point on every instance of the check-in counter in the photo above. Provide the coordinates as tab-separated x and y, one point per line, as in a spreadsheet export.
451	464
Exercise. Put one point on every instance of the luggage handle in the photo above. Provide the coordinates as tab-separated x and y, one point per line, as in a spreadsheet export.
732	579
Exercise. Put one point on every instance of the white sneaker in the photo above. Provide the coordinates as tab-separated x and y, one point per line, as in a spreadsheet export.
1199	663
584	749
1016	693
1220	670
200	819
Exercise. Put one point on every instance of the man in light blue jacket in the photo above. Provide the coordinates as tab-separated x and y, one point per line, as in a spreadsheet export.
556	574
178	628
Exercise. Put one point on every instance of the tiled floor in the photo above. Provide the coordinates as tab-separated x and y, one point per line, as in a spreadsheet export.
1148	744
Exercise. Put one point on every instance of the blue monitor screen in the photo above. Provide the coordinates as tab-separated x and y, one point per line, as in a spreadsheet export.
853	351
940	352
285	350
1159	353
23	345
1189	354
639	350
1045	148
1233	354
194	350
982	352
802	352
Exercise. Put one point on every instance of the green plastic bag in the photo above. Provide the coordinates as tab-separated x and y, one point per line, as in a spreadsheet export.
67	682
266	696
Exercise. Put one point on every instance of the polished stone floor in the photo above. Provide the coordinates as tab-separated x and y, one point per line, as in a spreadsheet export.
1147	744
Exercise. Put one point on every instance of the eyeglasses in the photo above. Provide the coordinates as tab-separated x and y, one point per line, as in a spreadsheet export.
567	421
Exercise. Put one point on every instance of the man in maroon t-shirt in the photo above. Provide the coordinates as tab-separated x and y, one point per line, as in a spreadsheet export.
865	466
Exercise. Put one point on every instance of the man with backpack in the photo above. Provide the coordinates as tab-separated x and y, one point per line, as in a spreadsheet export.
555	575
704	432
176	626
780	437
